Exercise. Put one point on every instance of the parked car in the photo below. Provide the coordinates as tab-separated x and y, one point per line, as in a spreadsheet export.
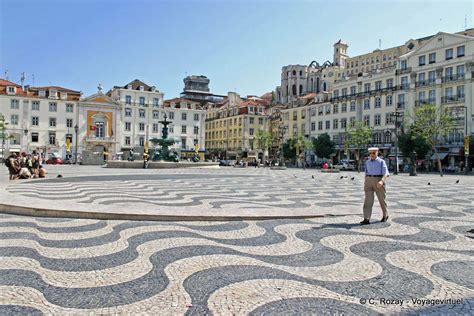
54	161
346	165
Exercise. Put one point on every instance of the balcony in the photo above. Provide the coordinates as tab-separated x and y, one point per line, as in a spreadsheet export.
421	102
400	105
452	99
100	139
403	71
450	78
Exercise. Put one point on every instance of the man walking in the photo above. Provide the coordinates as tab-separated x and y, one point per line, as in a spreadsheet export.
376	173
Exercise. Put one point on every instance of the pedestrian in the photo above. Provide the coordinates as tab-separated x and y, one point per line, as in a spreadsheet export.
376	173
13	165
146	160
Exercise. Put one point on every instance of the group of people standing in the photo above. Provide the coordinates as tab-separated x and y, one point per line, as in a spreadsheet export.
25	166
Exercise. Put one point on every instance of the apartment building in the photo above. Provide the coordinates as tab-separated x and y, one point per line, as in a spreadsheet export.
39	118
372	87
231	126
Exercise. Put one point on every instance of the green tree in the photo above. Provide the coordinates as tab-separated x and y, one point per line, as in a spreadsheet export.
410	143
360	136
324	146
263	140
432	123
302	144
289	149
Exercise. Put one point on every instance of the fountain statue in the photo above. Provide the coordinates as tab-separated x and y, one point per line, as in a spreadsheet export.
163	153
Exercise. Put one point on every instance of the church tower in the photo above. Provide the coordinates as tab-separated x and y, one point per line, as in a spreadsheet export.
340	53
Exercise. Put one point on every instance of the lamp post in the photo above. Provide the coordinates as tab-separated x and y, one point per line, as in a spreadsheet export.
397	122
282	159
76	130
25	131
466	143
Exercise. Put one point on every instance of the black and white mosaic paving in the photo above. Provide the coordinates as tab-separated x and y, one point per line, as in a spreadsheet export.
325	265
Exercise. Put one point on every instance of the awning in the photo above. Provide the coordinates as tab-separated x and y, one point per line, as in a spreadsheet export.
441	156
14	150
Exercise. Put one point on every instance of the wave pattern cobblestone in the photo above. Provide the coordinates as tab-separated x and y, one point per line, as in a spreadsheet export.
280	266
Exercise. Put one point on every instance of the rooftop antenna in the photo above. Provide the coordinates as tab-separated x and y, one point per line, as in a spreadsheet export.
6	74
380	43
22	79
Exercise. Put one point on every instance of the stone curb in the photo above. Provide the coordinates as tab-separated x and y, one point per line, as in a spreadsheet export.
42	212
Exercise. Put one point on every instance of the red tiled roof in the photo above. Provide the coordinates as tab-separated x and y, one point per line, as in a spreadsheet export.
4	82
55	88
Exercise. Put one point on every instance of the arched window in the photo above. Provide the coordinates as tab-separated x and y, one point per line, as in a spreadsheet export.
99	123
312	85
294	72
317	84
324	86
301	89
294	89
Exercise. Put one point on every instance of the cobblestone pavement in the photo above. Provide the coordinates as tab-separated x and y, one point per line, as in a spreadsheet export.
420	261
322	265
225	190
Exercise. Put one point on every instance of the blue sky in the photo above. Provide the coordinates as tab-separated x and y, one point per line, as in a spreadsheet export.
239	45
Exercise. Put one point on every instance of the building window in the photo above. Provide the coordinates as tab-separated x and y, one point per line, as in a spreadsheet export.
378	102
404	82
449	54
328	124
156	114
367	120
376	138
320	126
155	128
128	99
353	106
14	104
335	108
53	107
183	142
421	60
377	120
313	126
128	112
389	100
69	107
460	92
389	83
403	64
34	137
128	126
344	108
432	96
171	129
335	124
184	117
141	113
156	102
352	122
366	104
183	129
52	122
251	120
432	58
52	138
35	120
35	106
171	115
460	51
260	120
141	139
142	101
14	120
367	87
196	130
196	116
378	85
343	123
127	140
353	90
141	127
69	123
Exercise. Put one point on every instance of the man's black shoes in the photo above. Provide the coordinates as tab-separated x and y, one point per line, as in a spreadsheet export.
384	219
365	222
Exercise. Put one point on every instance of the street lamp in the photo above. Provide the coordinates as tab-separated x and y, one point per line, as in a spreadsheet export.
397	123
282	160
76	130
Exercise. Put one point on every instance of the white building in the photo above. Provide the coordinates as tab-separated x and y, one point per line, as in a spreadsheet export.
39	118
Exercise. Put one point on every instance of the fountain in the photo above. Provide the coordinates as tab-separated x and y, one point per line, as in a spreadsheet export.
164	154
161	157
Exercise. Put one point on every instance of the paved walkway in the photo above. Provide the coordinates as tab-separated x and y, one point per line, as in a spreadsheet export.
203	194
420	261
